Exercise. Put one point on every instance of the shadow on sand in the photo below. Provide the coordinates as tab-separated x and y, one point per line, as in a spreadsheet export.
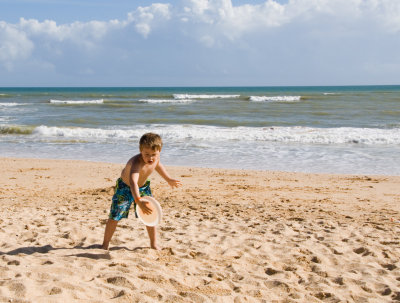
29	250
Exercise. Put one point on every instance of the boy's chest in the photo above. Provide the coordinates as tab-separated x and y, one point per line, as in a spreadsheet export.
145	173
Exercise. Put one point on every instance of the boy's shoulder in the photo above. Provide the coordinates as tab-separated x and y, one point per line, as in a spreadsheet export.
134	164
136	160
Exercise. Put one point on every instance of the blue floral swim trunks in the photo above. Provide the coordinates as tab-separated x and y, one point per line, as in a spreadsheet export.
122	199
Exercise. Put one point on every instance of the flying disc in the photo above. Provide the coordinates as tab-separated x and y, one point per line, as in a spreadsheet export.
154	218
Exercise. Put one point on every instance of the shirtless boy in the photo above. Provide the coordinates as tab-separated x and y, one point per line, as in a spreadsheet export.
134	184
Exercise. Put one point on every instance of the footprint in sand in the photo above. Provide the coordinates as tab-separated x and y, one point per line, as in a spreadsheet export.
339	281
18	288
315	259
270	271
121	281
117	264
278	286
153	278
396	296
383	289
153	294
55	291
327	296
363	251
389	267
167	228
193	297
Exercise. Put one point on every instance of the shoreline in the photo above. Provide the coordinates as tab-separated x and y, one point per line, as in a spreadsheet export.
226	235
184	167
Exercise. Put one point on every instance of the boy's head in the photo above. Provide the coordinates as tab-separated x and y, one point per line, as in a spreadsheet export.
150	141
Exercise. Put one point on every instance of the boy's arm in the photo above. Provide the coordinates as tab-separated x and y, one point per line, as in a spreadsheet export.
133	181
164	174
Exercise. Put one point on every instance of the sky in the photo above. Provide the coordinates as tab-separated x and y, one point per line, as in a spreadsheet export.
199	42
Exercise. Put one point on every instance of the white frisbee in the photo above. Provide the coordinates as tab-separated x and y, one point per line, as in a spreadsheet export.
154	218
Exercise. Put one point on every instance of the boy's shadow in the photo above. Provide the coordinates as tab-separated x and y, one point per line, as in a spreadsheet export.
29	250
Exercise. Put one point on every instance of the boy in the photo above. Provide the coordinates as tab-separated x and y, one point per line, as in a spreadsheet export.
134	184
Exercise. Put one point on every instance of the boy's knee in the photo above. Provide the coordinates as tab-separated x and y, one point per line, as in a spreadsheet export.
112	222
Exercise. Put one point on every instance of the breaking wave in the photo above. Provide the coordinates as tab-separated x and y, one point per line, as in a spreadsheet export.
10	104
275	98
166	100
74	102
178	133
189	96
16	130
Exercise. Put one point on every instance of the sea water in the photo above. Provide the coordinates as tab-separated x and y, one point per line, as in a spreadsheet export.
349	129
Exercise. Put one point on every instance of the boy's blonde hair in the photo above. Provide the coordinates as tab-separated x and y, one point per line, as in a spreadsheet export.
151	140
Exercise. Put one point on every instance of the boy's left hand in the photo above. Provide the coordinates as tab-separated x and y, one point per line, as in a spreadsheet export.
174	183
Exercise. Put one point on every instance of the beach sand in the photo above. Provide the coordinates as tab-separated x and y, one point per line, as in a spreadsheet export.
226	236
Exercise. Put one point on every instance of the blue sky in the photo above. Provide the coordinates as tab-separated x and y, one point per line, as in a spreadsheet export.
199	42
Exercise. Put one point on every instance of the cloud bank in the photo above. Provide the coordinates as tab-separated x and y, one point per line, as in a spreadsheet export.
298	30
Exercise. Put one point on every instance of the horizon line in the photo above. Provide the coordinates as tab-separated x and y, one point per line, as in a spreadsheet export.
204	86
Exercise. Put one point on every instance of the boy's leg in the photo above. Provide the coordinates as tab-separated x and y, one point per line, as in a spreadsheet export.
152	231
108	233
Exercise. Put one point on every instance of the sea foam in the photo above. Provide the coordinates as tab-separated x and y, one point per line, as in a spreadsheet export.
11	104
81	132
154	101
275	98
72	102
188	96
193	133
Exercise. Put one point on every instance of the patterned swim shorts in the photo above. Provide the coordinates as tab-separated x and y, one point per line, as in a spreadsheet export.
122	199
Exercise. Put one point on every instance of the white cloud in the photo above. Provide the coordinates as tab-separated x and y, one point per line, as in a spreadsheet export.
145	18
207	21
212	21
77	32
206	27
14	44
387	12
383	13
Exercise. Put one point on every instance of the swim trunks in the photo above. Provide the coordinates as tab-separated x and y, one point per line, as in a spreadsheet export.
122	199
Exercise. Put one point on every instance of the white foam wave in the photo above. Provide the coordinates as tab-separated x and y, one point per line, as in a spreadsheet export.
341	135
11	104
275	98
326	94
79	132
166	100
72	102
179	133
188	96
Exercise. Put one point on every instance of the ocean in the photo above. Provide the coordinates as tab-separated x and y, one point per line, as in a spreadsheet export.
347	129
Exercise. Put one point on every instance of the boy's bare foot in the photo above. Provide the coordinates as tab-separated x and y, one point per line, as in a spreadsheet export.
155	246
105	246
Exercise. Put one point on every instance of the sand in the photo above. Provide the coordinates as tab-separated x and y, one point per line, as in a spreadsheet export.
226	236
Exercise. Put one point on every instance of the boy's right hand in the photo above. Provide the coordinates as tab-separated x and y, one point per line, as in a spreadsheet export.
143	206
174	183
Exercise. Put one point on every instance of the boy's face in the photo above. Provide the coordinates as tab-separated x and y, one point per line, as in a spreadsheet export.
149	155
